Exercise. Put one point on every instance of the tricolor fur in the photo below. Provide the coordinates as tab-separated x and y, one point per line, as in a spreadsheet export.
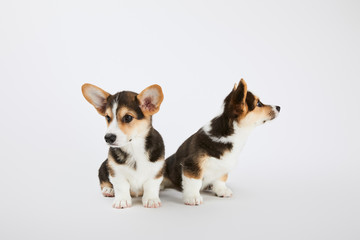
204	160
135	162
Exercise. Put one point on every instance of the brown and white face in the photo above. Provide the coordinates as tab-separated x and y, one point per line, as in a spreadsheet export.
248	109
127	114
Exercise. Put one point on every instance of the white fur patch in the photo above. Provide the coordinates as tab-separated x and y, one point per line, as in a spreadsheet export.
151	193
275	111
140	180
113	128
122	203
122	191
215	168
191	191
107	192
220	189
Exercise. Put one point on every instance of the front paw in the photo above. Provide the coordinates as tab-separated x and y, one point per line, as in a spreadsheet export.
193	200
223	192
122	203
107	192
151	202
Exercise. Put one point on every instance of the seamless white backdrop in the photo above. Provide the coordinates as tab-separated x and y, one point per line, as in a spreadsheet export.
298	176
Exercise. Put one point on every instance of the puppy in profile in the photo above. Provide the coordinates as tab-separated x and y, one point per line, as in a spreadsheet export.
135	162
204	160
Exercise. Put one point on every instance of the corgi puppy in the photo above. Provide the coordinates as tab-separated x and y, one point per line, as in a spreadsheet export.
135	162
204	160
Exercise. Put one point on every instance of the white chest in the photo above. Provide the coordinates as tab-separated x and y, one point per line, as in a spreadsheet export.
138	168
215	168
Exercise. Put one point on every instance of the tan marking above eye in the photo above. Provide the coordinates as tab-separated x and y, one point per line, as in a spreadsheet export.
136	126
123	112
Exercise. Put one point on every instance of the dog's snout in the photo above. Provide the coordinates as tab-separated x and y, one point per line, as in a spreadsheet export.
110	138
278	108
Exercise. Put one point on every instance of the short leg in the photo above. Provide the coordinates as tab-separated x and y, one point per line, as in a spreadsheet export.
122	192
191	190
151	193
220	189
106	187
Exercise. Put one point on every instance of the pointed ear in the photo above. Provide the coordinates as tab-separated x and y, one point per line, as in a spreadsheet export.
235	87
95	96
239	94
150	99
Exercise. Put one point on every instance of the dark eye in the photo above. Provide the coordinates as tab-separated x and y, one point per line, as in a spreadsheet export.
259	104
107	118
127	118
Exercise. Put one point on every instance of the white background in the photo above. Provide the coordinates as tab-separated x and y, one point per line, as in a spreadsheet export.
298	176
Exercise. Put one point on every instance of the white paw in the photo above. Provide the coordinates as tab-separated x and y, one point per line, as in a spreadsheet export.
223	192
193	200
151	202
107	192
122	203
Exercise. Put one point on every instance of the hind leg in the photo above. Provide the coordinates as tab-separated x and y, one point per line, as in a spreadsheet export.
220	189
107	188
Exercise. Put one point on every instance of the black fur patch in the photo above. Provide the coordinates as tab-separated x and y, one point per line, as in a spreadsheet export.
154	145
104	172
118	155
211	148
222	126
192	167
126	99
173	171
238	94
189	155
250	101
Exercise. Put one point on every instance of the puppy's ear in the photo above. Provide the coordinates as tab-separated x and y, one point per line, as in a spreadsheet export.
95	96
239	94
235	87
150	99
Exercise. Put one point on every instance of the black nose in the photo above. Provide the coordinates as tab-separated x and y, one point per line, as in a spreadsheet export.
278	108
110	138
